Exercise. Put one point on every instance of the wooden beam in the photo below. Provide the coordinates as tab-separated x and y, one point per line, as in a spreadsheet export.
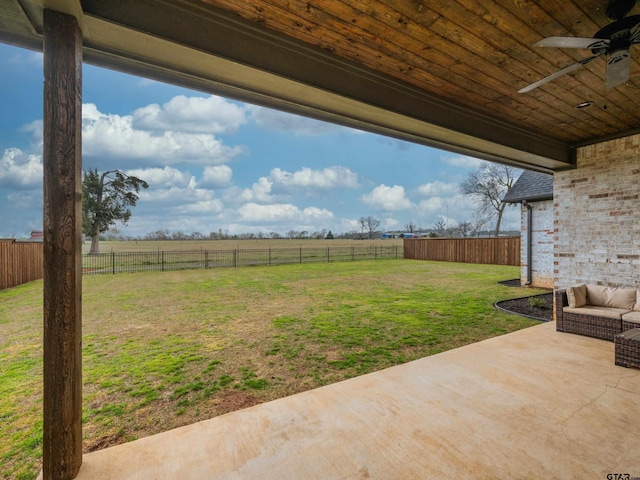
62	161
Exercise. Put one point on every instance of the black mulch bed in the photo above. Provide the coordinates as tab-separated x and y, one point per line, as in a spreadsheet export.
537	307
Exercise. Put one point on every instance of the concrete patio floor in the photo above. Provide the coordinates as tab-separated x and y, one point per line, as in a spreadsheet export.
530	404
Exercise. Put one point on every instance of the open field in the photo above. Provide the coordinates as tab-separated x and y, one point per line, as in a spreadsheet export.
155	256
162	350
198	245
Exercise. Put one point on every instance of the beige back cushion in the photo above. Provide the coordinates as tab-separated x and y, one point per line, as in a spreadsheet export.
636	307
611	297
577	296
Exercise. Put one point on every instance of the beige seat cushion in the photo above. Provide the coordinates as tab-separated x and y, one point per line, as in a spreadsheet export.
633	317
577	296
608	312
624	298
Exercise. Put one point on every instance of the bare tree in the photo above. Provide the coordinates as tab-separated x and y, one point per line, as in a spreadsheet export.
410	226
462	230
369	225
440	227
487	186
477	226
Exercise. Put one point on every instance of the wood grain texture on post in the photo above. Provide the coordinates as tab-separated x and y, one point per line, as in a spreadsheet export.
62	162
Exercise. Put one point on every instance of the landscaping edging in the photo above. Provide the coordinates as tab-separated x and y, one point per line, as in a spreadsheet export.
520	306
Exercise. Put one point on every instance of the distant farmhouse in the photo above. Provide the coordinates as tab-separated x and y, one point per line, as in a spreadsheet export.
400	235
36	236
534	191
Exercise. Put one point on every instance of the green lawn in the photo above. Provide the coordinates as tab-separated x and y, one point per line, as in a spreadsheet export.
167	349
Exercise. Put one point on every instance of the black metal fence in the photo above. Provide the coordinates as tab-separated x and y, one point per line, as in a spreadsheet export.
119	262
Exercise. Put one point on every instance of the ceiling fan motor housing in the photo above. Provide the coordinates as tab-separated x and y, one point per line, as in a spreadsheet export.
618	33
618	9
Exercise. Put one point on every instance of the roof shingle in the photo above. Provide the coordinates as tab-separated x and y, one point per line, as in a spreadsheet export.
531	186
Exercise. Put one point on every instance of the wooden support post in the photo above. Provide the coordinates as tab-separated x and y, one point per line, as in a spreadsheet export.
62	162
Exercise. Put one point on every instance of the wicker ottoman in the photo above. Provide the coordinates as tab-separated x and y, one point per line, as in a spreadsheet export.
627	347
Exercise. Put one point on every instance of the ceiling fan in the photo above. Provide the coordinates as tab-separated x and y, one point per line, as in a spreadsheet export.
612	41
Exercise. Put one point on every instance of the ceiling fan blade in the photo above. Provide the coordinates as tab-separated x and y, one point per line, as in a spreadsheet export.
573	42
558	74
634	34
618	67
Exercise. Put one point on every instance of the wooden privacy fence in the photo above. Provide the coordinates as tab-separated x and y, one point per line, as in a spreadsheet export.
495	250
20	262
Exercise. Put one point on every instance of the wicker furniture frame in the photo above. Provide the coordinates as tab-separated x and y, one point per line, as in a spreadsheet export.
589	325
627	347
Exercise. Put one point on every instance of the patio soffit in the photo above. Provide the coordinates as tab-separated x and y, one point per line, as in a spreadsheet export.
443	73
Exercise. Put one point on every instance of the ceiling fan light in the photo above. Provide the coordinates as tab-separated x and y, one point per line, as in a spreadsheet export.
582	105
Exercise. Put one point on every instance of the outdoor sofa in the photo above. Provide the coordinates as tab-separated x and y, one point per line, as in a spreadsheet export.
597	311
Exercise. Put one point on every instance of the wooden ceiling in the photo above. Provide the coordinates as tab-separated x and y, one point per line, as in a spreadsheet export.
439	72
472	52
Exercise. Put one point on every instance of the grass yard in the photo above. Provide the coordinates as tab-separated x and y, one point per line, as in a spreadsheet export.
163	350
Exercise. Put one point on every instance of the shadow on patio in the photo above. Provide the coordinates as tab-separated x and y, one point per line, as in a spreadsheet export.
530	404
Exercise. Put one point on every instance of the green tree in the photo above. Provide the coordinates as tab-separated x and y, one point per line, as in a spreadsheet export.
106	199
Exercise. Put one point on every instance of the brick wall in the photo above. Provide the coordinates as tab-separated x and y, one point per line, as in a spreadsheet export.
542	244
597	216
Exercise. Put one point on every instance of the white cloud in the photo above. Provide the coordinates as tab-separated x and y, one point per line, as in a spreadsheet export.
327	178
163	177
390	223
191	114
463	161
212	206
113	136
35	128
400	145
438	188
387	198
26	57
173	195
216	176
279	212
290	123
350	225
431	205
25	200
260	192
19	169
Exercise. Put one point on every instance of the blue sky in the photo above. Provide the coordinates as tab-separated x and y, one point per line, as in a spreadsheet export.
214	163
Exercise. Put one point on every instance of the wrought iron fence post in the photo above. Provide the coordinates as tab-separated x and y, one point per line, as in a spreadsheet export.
235	257
300	254
328	255
269	255
113	262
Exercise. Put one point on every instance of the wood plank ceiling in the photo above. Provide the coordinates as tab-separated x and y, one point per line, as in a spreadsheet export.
471	52
444	73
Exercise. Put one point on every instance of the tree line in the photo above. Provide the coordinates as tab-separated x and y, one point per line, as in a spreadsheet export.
107	198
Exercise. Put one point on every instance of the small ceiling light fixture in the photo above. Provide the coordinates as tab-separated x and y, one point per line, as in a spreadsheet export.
582	105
